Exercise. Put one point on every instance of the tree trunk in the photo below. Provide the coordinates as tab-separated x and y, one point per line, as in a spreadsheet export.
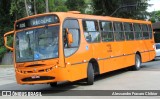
26	7
47	8
35	8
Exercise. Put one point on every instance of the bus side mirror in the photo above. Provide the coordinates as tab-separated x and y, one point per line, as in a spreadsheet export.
5	39
69	37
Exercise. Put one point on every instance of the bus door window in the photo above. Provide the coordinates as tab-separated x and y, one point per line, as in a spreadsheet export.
65	40
73	28
91	31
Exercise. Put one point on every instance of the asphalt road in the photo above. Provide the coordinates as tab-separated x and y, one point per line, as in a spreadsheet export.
147	78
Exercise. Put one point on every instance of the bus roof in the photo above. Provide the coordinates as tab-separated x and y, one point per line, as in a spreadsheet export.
75	14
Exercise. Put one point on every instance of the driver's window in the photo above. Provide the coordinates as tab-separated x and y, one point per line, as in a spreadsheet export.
73	28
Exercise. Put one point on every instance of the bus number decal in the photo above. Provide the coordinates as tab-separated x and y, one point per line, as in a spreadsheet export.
22	25
109	48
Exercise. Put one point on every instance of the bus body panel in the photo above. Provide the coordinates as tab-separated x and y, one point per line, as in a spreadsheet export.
109	55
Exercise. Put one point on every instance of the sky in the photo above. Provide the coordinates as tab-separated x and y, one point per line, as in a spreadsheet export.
155	6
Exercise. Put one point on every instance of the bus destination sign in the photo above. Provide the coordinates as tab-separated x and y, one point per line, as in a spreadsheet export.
38	21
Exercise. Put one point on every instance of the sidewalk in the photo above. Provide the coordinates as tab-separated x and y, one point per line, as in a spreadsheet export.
7	74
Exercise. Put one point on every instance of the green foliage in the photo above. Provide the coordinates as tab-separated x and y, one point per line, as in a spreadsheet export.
57	6
88	1
107	7
54	6
17	9
2	52
154	16
40	5
6	23
76	5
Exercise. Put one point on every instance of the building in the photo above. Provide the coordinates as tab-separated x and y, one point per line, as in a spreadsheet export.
156	29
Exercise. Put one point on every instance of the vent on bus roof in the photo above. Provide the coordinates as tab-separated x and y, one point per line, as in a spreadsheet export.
74	12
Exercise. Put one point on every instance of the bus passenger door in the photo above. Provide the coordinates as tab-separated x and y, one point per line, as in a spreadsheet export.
71	43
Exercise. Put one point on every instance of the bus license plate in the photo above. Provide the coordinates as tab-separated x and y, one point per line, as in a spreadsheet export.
35	76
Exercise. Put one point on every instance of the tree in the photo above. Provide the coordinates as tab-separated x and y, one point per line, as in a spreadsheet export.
154	16
57	5
76	5
6	23
126	8
41	6
35	8
17	9
26	6
47	8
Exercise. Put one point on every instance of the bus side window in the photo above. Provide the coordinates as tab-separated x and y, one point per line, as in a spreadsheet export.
150	31
118	31
145	31
106	31
128	31
73	28
91	31
138	31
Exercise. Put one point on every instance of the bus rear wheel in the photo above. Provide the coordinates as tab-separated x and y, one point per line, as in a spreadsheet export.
137	65
90	74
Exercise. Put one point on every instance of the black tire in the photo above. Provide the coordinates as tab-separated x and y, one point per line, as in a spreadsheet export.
54	84
137	65
153	59
90	74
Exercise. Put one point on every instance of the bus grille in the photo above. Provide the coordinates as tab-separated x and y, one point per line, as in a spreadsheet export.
38	79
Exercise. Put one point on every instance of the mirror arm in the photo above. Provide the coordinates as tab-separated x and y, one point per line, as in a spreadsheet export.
5	40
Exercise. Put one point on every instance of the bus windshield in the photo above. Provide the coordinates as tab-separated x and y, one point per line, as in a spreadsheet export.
37	44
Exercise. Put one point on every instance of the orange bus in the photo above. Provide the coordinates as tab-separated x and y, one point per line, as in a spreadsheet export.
69	46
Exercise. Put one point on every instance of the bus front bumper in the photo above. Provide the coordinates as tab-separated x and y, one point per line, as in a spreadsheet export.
42	76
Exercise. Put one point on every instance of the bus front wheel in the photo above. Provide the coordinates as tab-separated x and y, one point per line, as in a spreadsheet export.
54	84
137	65
90	74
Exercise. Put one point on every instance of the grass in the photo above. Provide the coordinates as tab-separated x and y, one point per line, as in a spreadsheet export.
6	66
